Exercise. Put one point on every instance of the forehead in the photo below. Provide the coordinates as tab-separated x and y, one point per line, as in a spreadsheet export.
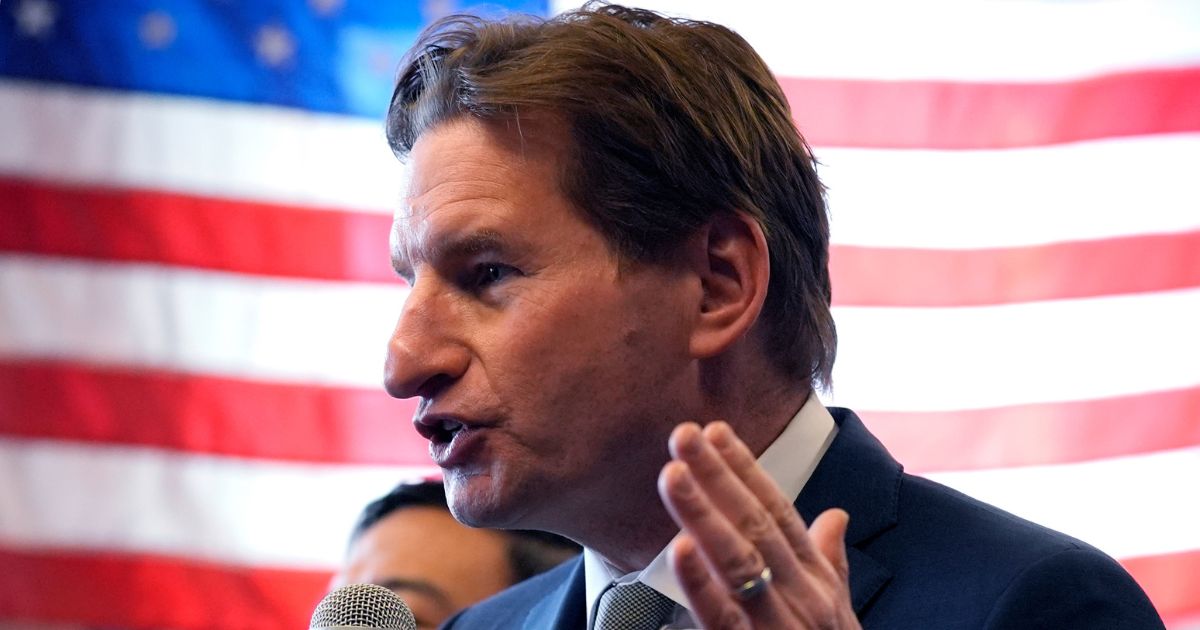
472	177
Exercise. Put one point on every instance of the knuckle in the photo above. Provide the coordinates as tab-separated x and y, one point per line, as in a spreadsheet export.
755	525
836	574
783	513
843	573
825	611
742	566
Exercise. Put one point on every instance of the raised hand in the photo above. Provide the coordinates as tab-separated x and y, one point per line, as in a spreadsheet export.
745	557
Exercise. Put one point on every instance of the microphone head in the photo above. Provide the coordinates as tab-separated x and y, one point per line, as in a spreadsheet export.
362	606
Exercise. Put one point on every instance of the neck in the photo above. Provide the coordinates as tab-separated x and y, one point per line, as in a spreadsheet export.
647	538
629	533
760	434
753	398
624	520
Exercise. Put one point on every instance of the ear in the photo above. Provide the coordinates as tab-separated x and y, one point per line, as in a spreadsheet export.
734	271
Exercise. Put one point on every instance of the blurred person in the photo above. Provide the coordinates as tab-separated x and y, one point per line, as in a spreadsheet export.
408	542
618	317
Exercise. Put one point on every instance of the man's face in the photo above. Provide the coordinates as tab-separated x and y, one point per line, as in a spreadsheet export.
435	564
549	375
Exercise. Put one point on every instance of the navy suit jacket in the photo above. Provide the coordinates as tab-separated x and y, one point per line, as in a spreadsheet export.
921	556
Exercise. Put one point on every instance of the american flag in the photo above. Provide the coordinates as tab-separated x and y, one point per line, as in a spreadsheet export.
195	296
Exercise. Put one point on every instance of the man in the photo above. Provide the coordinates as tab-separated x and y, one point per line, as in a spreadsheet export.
408	542
617	247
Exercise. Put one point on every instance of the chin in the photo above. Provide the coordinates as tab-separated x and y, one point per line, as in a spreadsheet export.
479	501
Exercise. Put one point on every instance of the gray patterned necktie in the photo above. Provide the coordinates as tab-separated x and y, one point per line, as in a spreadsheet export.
633	606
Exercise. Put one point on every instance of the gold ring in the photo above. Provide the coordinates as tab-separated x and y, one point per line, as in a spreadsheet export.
753	587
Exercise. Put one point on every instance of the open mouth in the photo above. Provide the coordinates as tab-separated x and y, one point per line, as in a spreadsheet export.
438	429
442	431
453	443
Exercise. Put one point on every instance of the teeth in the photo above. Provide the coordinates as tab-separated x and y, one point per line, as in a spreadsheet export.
451	426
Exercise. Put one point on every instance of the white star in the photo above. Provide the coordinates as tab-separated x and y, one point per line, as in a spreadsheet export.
274	45
434	9
36	18
326	7
157	29
382	61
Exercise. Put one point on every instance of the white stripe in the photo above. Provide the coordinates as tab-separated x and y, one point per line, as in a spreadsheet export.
1014	197
256	513
889	358
224	510
939	199
260	153
193	321
970	40
1127	507
919	359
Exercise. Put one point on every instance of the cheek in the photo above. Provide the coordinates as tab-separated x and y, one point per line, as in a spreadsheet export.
582	352
560	336
549	369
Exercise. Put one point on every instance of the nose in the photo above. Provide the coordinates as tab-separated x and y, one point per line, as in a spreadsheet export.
425	354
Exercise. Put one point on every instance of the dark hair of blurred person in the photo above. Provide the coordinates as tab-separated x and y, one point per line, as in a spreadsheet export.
407	541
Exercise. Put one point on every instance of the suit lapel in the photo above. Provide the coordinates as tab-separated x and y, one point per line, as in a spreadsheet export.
563	607
858	475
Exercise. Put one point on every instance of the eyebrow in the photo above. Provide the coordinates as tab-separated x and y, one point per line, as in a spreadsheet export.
419	586
472	244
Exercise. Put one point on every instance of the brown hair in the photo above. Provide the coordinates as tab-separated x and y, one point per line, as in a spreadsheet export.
672	121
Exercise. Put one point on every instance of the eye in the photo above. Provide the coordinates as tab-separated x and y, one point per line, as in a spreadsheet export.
484	275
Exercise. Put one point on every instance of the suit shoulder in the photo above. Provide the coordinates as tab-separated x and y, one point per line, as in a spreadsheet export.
983	529
1074	588
510	607
958	562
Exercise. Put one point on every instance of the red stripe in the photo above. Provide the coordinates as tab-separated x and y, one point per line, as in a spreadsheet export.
961	115
188	230
264	239
1048	433
145	591
207	414
223	416
1170	581
877	276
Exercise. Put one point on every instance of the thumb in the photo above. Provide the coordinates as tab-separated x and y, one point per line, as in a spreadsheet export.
828	534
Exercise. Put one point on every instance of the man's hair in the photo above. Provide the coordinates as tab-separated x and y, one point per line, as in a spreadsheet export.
529	552
672	122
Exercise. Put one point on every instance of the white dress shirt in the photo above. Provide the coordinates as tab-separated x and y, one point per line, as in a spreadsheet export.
789	460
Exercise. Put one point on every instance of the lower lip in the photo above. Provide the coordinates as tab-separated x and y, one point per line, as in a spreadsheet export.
464	447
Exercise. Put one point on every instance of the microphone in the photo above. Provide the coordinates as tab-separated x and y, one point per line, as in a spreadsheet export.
362	606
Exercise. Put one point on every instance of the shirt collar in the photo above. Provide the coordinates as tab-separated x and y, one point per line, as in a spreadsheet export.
789	460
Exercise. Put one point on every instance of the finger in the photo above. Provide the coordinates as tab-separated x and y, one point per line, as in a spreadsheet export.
730	556
713	606
710	603
736	502
743	464
828	534
724	555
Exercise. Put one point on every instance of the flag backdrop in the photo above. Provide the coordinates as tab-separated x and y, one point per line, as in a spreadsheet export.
195	295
